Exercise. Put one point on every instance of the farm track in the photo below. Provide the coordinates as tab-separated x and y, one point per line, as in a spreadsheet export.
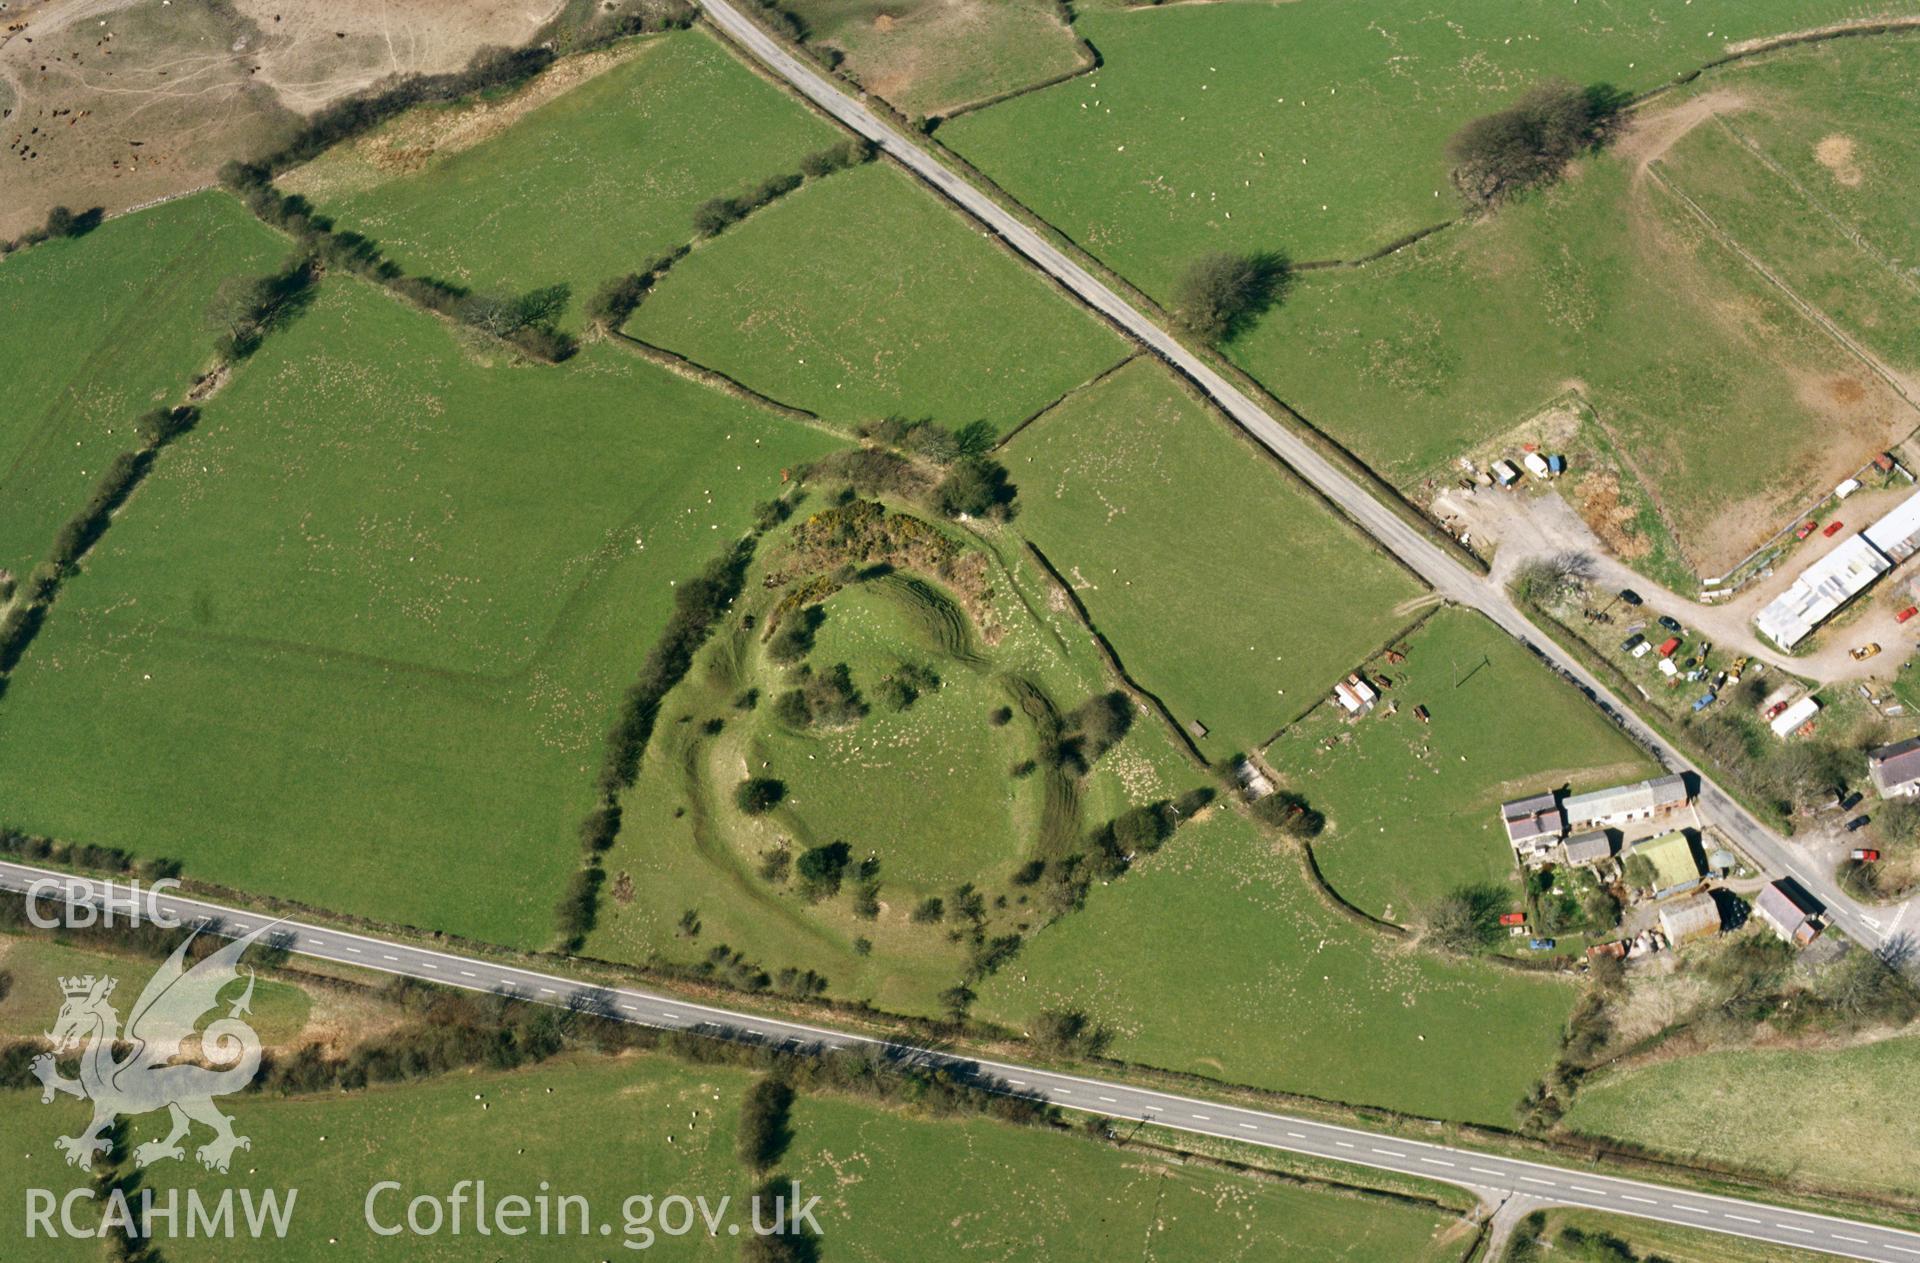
1897	381
1880	257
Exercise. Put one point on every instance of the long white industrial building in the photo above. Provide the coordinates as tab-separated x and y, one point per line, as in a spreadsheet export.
1831	582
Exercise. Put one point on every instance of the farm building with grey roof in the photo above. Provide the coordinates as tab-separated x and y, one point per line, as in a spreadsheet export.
1896	768
1624	804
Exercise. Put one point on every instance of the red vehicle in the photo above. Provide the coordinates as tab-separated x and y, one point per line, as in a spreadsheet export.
1513	918
1833	528
1805	529
1906	614
1774	710
1668	646
1866	854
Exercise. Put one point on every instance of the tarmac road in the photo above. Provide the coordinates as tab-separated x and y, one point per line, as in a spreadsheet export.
1492	1178
1448	577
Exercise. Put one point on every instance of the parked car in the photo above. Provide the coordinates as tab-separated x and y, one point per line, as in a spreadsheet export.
1805	529
1851	801
1906	614
1833	528
1540	944
1858	823
1774	711
1632	643
1642	649
1865	854
1513	918
1705	700
1863	652
1629	596
1671	624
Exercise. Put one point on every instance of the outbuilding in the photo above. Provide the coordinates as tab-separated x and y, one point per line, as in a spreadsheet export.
1788	721
1589	848
1821	590
1789	911
1674	867
1624	804
1898	533
1896	768
1698	917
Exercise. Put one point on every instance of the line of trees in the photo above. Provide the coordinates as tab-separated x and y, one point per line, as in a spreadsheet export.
619	298
698	606
24	618
766	1124
489	69
525	320
948	471
717	214
578	29
61	222
247	309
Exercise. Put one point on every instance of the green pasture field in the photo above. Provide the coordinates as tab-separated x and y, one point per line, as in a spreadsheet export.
1825	231
930	791
1413	807
1712	392
928	56
1653	1241
1859	95
1316	129
1820	1115
907	1189
585	187
861	296
515	1131
97	330
281	1009
1215	957
357	639
1226	588
661	1127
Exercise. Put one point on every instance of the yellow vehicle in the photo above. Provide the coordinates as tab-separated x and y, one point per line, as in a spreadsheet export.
1738	669
1864	652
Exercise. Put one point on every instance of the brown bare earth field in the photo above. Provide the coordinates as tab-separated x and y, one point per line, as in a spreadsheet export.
116	103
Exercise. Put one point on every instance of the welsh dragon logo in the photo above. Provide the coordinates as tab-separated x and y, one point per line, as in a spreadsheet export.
147	1078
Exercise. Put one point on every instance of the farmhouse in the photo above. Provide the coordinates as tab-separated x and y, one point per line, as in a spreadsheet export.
1789	911
1533	824
1789	720
1821	590
1624	804
1693	918
1896	768
1589	848
1674	867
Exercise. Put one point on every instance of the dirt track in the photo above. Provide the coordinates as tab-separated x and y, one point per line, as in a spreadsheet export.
1534	526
